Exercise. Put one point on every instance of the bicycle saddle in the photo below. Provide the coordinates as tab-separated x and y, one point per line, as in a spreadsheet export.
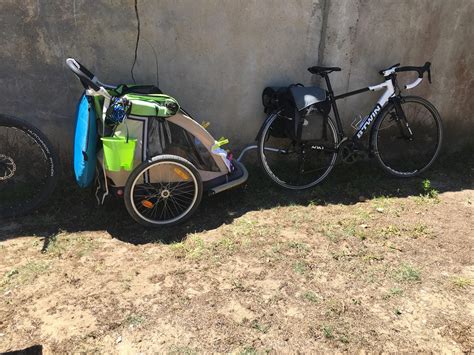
322	70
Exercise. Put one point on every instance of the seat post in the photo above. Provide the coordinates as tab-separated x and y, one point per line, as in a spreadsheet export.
328	83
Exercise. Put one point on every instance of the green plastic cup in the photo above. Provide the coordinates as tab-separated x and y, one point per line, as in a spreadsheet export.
118	153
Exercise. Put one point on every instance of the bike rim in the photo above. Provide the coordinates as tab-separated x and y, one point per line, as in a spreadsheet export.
314	173
164	192
404	151
25	170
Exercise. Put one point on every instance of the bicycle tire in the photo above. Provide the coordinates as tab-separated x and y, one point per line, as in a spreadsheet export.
278	180
185	167
50	158
384	161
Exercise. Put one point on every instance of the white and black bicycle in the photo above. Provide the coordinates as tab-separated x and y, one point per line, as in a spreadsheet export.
299	142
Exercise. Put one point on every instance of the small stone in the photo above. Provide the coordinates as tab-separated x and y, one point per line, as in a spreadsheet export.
362	198
118	340
8	293
365	226
379	209
2	334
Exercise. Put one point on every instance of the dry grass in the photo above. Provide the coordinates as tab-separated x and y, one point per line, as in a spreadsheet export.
297	272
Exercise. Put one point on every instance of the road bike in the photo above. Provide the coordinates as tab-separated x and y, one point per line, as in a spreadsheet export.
28	167
299	142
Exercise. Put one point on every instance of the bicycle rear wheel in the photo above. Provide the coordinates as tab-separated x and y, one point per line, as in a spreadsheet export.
407	140
296	166
28	167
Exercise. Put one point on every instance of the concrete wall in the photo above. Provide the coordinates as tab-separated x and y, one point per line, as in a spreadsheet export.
215	56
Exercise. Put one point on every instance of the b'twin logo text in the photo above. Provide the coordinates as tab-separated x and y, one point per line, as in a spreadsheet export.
369	120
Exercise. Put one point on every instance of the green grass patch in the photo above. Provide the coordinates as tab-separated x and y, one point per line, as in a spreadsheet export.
408	273
428	190
311	297
193	247
328	331
300	267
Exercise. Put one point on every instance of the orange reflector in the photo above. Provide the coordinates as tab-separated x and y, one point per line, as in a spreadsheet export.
147	204
181	173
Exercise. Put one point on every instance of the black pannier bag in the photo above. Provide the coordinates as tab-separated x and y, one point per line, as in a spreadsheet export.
301	108
279	99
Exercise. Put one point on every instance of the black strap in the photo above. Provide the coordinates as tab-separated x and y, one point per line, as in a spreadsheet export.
298	126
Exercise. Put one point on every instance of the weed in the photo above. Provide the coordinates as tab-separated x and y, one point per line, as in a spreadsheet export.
351	229
462	282
380	202
263	328
428	190
311	297
394	291
249	350
330	234
328	331
276	251
193	247
227	245
408	273
363	215
300	267
237	285
134	320
343	339
420	230
390	231
299	247
243	228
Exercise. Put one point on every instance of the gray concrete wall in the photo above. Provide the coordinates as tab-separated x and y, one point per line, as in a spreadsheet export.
215	57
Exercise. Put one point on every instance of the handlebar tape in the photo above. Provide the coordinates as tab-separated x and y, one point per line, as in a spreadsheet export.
420	70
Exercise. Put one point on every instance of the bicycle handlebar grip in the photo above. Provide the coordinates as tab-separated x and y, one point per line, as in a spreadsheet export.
84	75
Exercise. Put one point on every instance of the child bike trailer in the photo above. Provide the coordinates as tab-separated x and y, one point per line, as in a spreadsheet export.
140	144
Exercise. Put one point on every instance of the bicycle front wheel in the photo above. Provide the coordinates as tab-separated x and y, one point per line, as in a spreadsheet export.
28	167
296	166
407	139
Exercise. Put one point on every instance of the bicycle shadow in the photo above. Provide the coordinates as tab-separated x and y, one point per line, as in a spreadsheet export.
73	211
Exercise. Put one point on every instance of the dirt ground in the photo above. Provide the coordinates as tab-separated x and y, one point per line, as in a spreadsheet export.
362	263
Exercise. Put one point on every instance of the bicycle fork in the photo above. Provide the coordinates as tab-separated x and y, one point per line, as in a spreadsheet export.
402	121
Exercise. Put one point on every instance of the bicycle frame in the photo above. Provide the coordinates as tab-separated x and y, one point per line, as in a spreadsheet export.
367	121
